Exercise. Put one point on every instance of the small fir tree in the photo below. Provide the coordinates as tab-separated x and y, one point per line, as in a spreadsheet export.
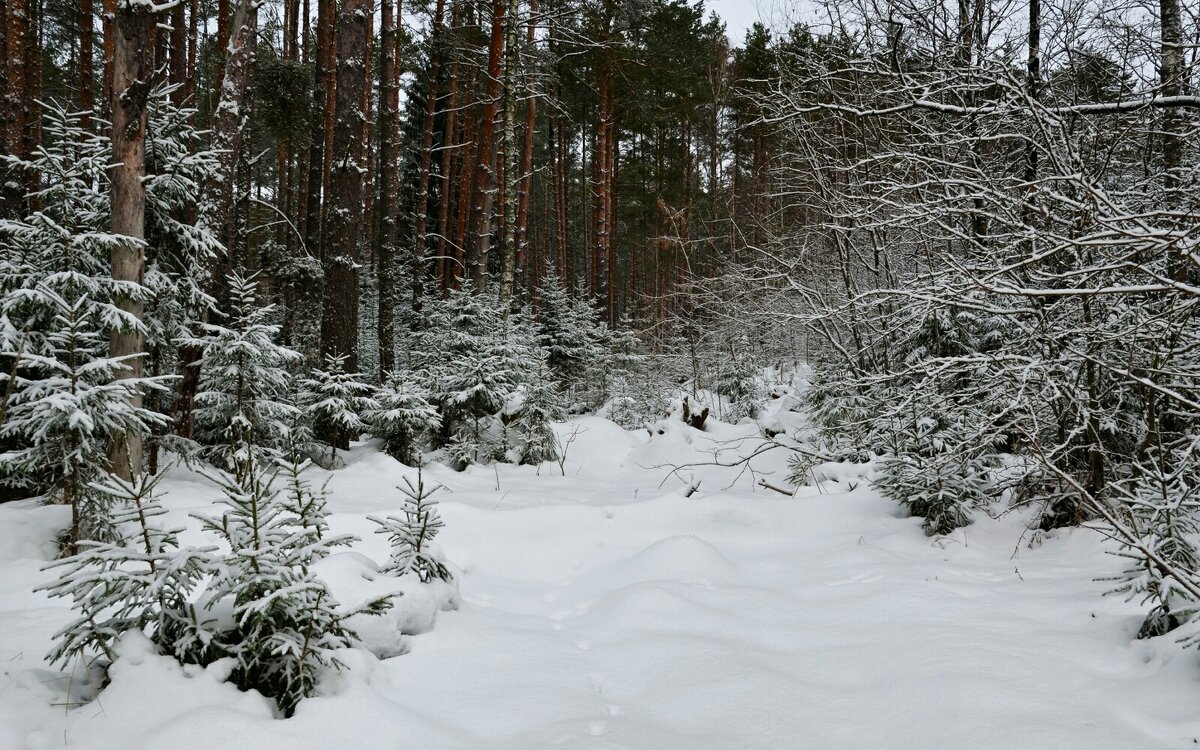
1162	502
65	408
739	381
540	408
412	533
335	401
926	475
243	403
286	625
402	417
568	330
141	581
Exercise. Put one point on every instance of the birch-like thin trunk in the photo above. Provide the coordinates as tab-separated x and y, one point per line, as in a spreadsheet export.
216	203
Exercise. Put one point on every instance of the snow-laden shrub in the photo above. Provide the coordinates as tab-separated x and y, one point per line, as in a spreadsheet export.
1161	504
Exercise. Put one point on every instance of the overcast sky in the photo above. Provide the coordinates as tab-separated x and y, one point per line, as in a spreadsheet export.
739	15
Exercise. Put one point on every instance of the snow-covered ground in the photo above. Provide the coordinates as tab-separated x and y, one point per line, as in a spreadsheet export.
606	609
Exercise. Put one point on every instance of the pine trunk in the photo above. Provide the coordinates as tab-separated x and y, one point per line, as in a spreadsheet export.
421	219
133	70
87	78
389	164
483	190
526	182
339	322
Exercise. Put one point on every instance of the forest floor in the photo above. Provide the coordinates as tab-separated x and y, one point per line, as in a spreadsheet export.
600	607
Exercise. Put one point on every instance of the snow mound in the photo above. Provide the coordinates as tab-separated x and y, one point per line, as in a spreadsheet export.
681	559
355	580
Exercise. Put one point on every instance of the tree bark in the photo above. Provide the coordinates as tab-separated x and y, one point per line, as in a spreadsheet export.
87	97
421	220
511	176
339	322
483	190
229	122
449	147
389	164
133	70
317	152
16	32
526	183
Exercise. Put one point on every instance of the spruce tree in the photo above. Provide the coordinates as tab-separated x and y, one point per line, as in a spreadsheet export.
1162	502
412	532
286	625
541	406
335	402
64	399
243	403
402	417
738	381
140	581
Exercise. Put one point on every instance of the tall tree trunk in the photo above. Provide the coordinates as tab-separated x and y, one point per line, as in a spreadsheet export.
178	59
602	185
133	69
421	219
193	50
229	123
389	164
483	191
339	322
16	33
87	77
222	43
511	176
449	147
1171	83
322	100
522	217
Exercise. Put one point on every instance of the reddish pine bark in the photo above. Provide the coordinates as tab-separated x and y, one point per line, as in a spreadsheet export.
483	190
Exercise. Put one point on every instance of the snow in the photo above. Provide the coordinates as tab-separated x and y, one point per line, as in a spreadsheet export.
598	607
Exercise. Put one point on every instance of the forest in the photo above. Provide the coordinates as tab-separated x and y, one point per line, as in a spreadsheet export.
744	380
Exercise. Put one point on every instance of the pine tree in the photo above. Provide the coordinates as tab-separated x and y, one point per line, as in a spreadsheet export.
402	417
140	581
243	402
412	532
335	401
